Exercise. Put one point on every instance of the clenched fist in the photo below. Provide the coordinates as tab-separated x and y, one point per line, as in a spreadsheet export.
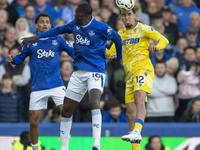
9	58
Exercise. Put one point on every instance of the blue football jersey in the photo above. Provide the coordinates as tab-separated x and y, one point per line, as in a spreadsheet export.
89	43
44	61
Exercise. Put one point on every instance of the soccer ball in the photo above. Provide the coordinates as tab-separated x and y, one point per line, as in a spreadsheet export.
125	4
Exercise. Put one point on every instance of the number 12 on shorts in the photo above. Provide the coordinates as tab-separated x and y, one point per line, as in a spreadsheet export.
139	80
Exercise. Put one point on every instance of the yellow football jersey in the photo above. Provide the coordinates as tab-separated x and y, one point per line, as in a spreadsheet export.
135	44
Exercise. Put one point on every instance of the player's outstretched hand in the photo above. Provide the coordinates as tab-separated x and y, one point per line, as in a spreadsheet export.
152	48
31	39
9	58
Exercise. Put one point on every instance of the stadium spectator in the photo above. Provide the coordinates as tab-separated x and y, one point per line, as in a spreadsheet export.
10	40
120	92
64	57
172	66
174	4
11	102
174	18
20	6
66	70
12	13
192	35
189	58
2	57
159	56
30	17
195	21
198	59
108	16
160	106
141	16
106	96
95	4
119	25
42	6
179	50
192	113
114	113
98	18
67	12
3	25
22	29
4	14
160	4
155	143
152	8
70	39
110	4
157	22
171	29
24	143
59	22
21	77
188	88
186	7
56	115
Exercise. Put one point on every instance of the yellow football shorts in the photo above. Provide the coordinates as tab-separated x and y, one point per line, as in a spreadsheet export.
141	80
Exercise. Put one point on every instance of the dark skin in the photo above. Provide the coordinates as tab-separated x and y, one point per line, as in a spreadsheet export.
94	94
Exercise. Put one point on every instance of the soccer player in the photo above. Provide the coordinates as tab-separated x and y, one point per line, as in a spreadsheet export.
90	38
45	73
138	68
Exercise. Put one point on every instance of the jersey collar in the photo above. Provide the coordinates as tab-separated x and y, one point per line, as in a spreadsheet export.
88	23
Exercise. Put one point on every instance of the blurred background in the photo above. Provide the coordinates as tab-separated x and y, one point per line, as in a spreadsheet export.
173	108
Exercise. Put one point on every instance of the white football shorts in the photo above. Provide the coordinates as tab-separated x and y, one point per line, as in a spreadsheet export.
39	99
82	81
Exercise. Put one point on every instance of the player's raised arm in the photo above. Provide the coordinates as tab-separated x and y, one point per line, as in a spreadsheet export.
118	44
50	33
111	34
67	48
151	33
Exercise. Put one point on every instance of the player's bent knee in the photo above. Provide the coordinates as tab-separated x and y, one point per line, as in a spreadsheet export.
34	123
130	116
66	113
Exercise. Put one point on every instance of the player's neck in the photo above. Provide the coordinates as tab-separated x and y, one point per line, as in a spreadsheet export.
86	21
134	25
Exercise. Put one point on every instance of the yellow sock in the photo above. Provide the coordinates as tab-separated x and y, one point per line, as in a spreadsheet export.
138	124
135	146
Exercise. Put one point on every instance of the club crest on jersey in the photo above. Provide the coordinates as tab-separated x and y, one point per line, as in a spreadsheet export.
91	33
109	30
77	27
54	42
34	44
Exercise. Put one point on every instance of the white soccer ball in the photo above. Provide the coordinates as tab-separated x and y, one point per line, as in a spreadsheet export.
125	4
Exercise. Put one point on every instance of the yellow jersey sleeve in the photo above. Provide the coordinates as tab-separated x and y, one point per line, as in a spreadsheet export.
151	33
111	52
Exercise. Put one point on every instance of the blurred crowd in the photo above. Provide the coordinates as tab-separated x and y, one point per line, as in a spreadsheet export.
176	89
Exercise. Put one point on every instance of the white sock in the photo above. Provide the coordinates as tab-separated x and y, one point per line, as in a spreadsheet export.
35	146
65	127
96	126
